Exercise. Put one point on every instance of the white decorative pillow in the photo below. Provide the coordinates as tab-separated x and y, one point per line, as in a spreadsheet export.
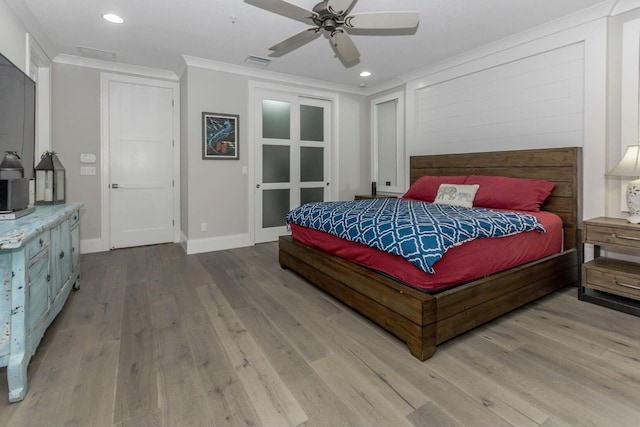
456	194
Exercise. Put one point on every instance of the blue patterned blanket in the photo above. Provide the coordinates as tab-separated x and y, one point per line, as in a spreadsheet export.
420	232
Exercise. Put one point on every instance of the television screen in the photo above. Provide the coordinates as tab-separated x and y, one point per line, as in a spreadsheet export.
17	114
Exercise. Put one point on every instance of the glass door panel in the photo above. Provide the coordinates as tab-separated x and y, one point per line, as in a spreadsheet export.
311	123
276	119
311	164
275	206
276	163
308	195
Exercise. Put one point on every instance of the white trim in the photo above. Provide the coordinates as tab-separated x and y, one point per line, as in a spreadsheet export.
208	64
115	67
622	6
196	246
400	143
105	80
595	120
629	95
89	246
335	148
41	60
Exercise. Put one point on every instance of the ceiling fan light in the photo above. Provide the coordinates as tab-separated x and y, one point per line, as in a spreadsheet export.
113	18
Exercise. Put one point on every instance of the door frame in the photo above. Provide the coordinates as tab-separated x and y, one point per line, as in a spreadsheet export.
105	178
294	91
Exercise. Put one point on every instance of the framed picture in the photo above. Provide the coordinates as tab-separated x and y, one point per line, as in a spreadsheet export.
220	136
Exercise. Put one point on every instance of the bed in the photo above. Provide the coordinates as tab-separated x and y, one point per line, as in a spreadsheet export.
424	320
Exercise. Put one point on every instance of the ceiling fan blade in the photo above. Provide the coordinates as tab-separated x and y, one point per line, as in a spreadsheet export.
346	49
382	20
339	7
294	42
284	8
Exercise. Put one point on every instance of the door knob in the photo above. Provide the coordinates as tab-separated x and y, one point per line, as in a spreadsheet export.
114	185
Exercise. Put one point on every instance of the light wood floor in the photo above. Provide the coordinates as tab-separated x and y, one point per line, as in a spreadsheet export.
158	338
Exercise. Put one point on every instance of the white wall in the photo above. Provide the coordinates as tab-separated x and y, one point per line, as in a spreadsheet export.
12	37
429	119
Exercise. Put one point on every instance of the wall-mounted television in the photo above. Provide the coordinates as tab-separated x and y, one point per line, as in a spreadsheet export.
17	114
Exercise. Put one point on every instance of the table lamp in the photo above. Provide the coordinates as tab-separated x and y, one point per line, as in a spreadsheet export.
629	166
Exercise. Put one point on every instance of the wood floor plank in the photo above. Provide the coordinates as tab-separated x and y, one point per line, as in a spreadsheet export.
95	383
50	404
511	407
313	395
137	390
272	399
226	397
357	393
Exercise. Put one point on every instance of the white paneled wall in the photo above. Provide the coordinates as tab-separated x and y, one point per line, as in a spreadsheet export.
536	101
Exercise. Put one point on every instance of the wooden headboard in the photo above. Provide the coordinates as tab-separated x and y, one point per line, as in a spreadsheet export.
563	166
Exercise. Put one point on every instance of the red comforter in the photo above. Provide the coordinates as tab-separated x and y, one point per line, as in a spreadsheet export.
460	264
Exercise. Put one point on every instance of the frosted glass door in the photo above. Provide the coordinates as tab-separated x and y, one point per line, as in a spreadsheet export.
292	158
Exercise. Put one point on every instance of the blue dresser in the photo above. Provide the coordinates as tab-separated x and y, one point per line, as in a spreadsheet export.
39	264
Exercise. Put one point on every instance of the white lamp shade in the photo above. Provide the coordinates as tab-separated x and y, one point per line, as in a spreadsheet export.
630	163
630	166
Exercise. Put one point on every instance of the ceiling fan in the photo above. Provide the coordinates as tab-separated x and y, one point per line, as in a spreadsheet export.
334	19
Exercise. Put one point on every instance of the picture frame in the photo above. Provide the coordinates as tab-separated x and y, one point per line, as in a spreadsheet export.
220	136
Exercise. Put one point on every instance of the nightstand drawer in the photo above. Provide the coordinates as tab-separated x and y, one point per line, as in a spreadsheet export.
613	276
612	235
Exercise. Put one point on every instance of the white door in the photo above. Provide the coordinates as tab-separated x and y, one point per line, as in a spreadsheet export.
293	158
141	164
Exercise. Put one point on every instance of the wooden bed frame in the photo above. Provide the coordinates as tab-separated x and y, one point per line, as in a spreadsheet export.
424	320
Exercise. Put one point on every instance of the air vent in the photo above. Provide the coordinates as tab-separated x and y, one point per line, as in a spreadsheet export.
89	52
256	60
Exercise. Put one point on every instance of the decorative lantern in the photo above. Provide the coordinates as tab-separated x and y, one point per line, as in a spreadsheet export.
50	180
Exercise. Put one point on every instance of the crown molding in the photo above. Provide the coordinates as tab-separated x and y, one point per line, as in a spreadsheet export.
193	61
115	67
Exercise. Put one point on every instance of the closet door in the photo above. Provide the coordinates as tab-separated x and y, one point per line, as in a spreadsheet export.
293	153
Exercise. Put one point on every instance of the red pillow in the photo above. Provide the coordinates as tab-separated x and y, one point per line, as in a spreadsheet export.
501	192
425	188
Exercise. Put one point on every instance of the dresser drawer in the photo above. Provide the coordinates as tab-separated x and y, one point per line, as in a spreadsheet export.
613	276
612	235
37	245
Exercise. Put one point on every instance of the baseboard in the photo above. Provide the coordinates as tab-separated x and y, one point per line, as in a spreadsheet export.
88	246
192	246
195	246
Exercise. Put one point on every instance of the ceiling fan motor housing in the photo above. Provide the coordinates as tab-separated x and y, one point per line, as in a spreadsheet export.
324	18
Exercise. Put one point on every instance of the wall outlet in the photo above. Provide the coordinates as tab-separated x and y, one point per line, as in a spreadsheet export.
87	170
203	226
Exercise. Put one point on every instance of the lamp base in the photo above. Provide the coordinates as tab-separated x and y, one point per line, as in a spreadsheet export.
634	219
633	201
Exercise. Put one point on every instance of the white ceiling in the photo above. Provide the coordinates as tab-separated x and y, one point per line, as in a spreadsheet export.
156	33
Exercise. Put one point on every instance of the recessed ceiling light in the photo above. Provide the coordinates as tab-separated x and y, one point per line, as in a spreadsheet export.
365	74
113	18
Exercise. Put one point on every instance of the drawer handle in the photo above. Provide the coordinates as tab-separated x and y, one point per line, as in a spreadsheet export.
61	254
41	243
625	285
617	236
48	277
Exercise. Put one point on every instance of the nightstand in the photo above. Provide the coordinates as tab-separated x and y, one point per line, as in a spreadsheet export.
606	281
377	196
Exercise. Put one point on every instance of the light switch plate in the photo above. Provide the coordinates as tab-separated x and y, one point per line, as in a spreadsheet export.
87	158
